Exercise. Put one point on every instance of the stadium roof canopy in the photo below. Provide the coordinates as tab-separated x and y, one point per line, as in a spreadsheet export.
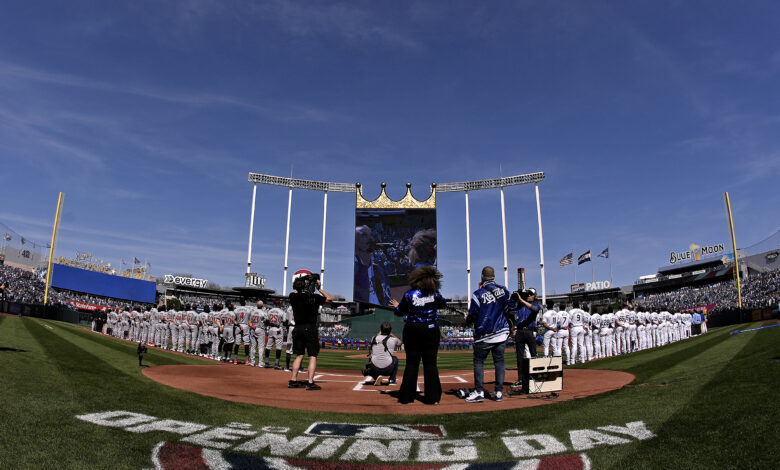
685	267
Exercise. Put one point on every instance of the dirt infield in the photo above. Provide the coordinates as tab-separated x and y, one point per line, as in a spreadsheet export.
343	391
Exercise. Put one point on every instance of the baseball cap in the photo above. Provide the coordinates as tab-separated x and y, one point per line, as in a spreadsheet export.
531	291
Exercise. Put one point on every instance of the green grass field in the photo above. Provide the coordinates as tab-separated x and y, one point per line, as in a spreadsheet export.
710	402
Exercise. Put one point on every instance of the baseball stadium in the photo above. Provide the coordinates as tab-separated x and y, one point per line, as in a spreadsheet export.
320	235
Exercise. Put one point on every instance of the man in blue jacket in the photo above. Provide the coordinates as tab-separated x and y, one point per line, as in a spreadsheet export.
490	314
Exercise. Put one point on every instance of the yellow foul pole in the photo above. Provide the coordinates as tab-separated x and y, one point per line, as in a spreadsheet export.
734	247
53	243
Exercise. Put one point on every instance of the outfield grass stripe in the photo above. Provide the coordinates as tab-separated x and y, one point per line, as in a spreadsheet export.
732	397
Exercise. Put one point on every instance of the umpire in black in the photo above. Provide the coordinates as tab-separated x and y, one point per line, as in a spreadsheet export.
526	310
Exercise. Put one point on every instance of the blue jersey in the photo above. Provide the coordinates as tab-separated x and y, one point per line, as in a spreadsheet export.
489	307
417	307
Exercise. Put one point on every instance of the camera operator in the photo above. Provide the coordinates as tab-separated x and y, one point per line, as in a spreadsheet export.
527	310
305	303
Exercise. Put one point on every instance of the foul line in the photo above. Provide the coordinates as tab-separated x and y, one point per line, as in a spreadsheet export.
755	329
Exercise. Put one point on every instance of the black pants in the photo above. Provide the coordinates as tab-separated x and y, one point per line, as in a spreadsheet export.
523	338
422	342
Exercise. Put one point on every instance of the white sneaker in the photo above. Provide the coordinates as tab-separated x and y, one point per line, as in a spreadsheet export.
498	396
475	397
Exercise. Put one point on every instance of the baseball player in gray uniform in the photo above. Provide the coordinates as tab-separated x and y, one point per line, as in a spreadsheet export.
228	319
290	322
124	323
274	321
215	327
257	334
202	319
242	330
192	334
173	325
146	324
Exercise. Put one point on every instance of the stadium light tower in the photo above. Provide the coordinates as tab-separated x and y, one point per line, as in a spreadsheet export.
499	183
465	187
296	183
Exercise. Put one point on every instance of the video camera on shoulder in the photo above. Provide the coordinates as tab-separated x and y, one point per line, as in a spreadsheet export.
307	283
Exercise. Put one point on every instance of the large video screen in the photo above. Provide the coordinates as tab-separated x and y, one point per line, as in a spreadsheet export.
91	282
389	245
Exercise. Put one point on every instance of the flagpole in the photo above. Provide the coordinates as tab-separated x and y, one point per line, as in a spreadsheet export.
575	266
592	269
609	255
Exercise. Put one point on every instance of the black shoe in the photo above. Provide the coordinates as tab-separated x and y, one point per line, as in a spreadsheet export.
312	386
296	384
278	367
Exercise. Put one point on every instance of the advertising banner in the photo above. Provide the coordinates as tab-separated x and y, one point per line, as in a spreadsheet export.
579	287
695	252
86	306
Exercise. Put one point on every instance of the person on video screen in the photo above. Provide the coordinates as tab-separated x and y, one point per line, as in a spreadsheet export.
422	248
371	282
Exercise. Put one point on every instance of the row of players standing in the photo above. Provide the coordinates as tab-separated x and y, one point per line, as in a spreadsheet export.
216	332
605	335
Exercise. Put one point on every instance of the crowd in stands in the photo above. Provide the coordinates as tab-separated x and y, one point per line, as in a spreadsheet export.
88	265
94	299
456	332
758	291
26	286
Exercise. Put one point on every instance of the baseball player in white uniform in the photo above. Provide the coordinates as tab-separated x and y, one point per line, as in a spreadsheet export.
607	337
632	336
562	336
577	332
588	337
620	331
641	329
550	323
595	327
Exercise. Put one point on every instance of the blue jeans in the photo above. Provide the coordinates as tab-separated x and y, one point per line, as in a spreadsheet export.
481	351
390	370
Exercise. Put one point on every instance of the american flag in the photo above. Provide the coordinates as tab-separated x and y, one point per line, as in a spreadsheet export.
584	258
567	260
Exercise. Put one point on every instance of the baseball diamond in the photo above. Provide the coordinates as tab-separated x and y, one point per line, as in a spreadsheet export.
109	413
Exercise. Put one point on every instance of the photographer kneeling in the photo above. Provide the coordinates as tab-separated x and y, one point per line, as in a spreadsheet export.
382	354
305	303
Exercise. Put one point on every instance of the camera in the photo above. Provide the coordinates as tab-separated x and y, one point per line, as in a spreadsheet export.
308	283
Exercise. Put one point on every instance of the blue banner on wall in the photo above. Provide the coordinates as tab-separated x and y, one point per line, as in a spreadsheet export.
106	285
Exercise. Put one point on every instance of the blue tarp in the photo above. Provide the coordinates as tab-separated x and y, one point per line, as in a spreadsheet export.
106	285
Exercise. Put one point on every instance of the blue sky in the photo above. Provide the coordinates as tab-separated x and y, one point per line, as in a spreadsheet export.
149	115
